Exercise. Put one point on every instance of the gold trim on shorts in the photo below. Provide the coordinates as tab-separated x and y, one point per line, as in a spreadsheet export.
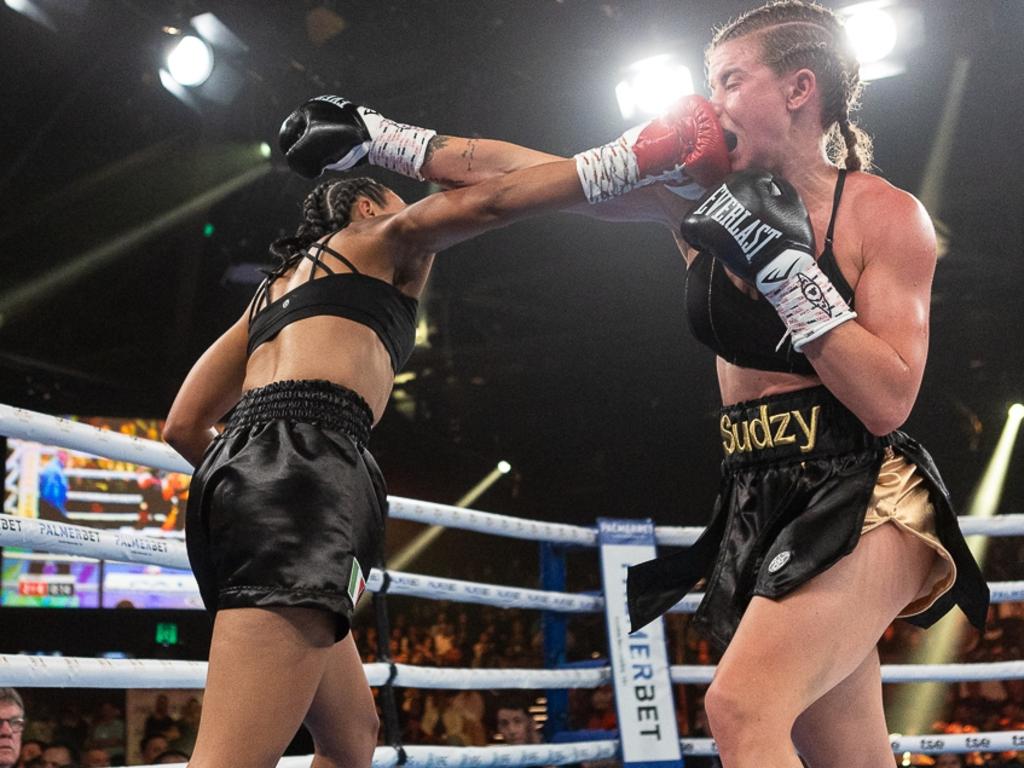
901	497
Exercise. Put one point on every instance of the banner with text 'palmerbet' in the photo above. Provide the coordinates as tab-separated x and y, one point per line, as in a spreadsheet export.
643	689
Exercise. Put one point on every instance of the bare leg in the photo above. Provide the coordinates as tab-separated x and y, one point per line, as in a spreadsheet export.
343	717
789	653
265	666
848	721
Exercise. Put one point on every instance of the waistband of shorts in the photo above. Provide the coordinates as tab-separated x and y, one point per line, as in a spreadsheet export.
312	401
795	426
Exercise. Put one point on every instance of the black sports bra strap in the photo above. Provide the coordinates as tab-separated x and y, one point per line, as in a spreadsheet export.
321	247
835	207
261	294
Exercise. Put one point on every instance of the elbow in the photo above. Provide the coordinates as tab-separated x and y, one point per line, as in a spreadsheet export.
177	432
887	419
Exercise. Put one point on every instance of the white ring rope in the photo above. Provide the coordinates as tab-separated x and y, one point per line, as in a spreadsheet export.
75	672
169	551
701	674
438	588
29	425
561	754
505	756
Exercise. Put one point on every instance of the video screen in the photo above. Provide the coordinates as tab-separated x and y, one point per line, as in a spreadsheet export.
53	483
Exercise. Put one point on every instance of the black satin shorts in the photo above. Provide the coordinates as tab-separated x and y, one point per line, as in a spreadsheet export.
287	507
797	478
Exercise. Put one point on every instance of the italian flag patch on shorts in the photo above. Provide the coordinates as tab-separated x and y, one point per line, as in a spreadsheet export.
356	582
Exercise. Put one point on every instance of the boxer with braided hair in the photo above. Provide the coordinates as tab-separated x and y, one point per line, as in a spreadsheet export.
819	541
810	279
287	506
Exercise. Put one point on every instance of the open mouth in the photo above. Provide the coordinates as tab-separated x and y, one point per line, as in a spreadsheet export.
730	140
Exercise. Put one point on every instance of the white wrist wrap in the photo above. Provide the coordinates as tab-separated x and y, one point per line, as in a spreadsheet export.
610	170
804	297
397	146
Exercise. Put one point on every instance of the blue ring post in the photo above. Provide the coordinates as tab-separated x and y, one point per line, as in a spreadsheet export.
554	628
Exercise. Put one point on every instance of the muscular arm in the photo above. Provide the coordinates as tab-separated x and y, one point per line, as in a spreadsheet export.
874	364
444	219
454	162
211	388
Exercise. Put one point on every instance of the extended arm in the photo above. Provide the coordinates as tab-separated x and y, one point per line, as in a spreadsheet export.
332	133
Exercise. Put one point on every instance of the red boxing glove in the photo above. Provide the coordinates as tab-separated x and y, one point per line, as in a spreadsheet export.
688	135
685	148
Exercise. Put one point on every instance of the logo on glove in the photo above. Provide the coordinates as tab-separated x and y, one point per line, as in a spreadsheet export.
732	215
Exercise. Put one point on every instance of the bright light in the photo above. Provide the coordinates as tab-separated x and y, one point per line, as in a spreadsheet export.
190	62
264	149
504	467
872	32
1016	411
652	85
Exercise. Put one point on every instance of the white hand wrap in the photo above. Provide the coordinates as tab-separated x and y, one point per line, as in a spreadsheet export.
610	170
396	146
804	297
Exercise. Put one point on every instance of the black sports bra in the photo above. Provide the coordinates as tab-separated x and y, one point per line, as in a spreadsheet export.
377	304
747	331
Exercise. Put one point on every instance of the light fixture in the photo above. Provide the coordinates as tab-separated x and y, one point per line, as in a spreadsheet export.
651	85
190	61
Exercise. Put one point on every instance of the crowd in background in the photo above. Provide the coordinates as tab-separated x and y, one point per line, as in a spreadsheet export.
440	634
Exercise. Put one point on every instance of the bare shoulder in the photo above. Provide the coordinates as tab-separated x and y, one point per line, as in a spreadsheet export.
891	221
875	201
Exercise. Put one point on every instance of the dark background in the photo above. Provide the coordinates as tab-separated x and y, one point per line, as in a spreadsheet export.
558	344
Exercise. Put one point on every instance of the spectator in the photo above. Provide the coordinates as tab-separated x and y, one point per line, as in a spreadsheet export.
71	728
96	757
159	720
514	722
108	731
188	727
949	760
30	750
152	746
12	724
59	756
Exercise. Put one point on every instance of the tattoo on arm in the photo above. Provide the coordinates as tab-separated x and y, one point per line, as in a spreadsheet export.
436	143
468	153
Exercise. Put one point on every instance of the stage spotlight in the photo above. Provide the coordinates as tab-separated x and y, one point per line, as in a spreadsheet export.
264	149
204	62
872	32
651	85
504	467
190	61
32	11
880	32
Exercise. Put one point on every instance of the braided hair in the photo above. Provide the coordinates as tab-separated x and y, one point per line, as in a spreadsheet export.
326	209
795	34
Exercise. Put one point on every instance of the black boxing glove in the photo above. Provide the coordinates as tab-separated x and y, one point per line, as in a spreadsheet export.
757	225
330	133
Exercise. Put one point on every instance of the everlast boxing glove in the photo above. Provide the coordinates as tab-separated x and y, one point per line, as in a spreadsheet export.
757	225
685	148
330	133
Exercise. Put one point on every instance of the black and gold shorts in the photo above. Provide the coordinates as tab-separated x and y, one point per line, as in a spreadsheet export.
287	507
799	477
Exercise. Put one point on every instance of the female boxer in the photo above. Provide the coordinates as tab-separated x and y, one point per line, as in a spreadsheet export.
830	522
286	509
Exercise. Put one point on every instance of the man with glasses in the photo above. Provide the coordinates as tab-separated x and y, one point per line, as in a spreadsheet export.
12	723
